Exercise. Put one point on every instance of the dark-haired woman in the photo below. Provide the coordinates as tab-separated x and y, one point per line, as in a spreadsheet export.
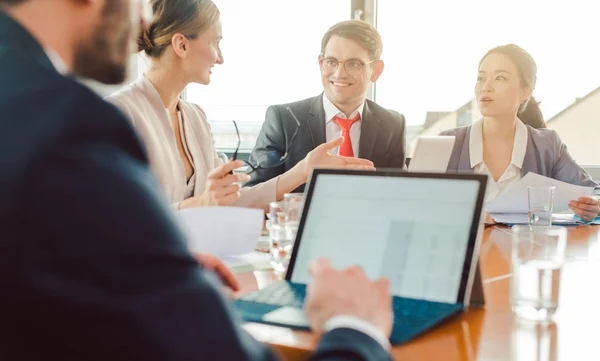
511	140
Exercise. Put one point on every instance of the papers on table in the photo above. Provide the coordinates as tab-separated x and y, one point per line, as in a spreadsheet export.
222	231
514	200
520	218
557	219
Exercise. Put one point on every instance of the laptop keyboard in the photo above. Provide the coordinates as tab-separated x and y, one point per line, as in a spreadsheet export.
279	294
407	311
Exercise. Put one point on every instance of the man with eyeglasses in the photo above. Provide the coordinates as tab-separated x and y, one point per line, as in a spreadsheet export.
349	61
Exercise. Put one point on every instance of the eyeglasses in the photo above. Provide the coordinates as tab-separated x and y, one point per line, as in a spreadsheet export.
270	159
352	66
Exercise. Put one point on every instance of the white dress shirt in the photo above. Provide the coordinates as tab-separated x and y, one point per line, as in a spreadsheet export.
359	325
333	130
56	61
512	173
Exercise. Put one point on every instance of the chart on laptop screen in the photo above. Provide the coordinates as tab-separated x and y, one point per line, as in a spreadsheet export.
414	231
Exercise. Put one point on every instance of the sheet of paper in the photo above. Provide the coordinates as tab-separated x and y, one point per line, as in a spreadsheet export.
514	200
522	218
222	231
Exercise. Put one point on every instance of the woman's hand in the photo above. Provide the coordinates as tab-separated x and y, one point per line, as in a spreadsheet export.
221	187
587	208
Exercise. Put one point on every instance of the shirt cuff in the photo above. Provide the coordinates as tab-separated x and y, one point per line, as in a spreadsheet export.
355	323
175	206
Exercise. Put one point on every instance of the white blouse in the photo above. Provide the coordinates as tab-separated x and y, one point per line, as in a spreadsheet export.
512	174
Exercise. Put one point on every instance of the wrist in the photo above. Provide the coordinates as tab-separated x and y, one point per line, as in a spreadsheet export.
290	180
301	170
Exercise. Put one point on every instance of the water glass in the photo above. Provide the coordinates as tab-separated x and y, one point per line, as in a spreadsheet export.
538	254
541	204
294	204
281	237
534	341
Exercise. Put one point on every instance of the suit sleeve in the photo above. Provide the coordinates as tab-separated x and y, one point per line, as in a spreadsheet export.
270	140
398	147
113	275
114	270
566	169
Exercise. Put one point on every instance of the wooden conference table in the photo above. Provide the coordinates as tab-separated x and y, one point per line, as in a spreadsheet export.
491	333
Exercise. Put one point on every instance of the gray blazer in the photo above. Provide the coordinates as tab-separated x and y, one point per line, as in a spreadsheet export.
381	141
546	155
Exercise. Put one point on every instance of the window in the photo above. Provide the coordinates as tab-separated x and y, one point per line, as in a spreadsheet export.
432	49
270	48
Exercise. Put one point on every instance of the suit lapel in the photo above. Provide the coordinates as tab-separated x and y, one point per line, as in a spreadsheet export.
368	133
316	121
530	162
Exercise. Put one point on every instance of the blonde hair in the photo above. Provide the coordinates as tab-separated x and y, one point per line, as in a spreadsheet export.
363	33
170	17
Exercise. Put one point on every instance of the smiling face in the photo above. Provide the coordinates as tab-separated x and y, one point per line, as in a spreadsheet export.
499	89
347	91
203	54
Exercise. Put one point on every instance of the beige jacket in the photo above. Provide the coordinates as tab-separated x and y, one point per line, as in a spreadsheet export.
142	104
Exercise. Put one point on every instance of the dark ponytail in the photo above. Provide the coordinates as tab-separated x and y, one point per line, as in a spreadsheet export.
531	114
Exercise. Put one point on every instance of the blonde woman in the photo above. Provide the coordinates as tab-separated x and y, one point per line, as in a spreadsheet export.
182	43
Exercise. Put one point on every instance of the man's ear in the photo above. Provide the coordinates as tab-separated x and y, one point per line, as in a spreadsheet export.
377	70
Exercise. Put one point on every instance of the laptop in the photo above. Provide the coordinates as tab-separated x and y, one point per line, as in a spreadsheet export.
432	154
420	230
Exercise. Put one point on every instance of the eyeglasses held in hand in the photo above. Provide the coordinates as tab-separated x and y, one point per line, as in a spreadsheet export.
266	160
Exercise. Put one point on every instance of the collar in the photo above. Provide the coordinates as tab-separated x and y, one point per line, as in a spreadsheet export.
476	144
331	110
56	61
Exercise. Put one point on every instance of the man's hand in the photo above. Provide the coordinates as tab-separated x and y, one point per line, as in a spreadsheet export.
214	264
348	292
320	158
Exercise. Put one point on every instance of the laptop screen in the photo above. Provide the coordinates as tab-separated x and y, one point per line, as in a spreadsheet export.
415	229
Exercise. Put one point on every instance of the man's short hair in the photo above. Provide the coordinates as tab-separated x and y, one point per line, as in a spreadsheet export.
363	33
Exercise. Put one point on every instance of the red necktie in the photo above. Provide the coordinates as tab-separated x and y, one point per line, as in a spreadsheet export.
345	125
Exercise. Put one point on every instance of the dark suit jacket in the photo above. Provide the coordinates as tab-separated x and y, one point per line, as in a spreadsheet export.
92	266
381	141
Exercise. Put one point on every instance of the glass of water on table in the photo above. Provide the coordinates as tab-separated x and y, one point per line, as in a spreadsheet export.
540	201
538	255
284	219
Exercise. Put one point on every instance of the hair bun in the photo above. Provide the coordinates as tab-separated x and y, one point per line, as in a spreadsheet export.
145	42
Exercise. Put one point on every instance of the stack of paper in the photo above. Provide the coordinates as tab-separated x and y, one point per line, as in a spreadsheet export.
520	218
514	200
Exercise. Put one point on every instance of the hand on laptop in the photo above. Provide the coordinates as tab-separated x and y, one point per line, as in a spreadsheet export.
222	188
320	158
217	266
347	292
